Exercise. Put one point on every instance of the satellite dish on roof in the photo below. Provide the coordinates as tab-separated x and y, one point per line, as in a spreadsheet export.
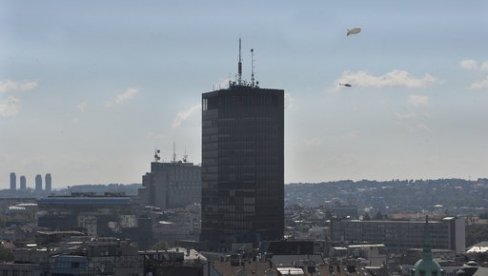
352	31
156	155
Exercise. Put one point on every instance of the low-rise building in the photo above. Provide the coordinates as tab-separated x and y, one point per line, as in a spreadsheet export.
176	261
448	233
373	254
81	256
110	215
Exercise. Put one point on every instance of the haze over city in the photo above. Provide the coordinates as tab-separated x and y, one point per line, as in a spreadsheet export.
88	90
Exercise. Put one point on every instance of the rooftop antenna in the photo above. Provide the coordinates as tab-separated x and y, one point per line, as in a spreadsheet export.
239	65
174	152
185	157
252	67
427	250
156	155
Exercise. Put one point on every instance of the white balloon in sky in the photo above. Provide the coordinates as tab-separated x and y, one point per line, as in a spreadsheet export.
353	31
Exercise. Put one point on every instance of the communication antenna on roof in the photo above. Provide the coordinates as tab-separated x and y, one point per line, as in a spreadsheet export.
156	155
174	152
239	65
252	67
185	157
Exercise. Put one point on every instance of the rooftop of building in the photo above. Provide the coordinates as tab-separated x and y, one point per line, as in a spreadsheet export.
366	245
299	259
481	247
69	233
295	265
288	247
481	271
185	255
86	199
394	221
243	89
290	271
178	163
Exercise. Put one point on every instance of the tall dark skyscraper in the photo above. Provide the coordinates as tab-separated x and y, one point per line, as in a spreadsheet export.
13	181
48	183
242	164
23	183
38	183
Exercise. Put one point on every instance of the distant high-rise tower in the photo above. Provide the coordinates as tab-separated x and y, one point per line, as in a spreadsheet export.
23	183
48	185
13	181
242	164
38	183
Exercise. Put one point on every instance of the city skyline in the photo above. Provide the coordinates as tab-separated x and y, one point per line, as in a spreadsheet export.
84	87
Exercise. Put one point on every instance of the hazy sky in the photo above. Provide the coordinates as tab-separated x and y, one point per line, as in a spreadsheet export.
88	89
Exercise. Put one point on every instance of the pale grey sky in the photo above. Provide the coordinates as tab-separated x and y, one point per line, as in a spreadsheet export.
88	89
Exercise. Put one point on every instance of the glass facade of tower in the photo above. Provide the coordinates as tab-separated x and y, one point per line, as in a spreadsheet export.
242	165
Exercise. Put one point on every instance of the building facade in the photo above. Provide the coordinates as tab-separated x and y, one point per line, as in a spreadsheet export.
48	183
13	181
38	183
76	256
242	164
171	185
103	216
448	233
23	183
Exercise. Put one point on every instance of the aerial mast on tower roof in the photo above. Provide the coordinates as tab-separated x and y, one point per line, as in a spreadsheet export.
174	152
252	68
239	66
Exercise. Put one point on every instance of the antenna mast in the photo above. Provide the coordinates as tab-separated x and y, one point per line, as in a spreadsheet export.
174	152
239	66
156	155
185	157
252	67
